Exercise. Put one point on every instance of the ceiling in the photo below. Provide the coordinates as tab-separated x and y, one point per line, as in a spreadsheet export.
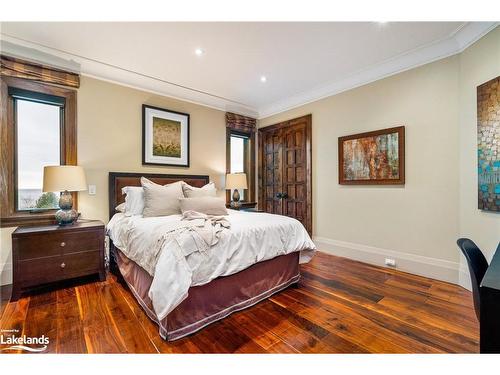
301	61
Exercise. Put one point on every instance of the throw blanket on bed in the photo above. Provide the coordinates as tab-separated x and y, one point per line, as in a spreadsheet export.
182	252
203	230
195	232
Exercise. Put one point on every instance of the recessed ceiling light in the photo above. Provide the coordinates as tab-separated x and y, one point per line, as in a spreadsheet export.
263	79
199	52
382	22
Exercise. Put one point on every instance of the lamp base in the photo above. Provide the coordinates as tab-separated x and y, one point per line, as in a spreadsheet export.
66	215
235	203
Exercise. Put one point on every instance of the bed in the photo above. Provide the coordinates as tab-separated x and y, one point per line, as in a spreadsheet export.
205	302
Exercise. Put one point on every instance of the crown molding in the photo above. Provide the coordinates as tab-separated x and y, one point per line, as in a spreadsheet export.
38	57
117	75
455	43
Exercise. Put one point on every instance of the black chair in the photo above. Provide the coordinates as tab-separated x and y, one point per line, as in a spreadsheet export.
477	267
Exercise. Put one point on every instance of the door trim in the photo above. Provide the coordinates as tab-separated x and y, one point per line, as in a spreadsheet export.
284	124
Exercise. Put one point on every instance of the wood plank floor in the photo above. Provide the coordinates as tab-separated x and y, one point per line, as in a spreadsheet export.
341	306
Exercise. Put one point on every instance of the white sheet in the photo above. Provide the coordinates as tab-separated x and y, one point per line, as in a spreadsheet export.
253	237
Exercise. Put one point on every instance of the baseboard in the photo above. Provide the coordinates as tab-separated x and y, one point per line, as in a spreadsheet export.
424	266
464	277
5	273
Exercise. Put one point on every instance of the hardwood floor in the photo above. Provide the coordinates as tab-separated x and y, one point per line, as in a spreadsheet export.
5	293
341	306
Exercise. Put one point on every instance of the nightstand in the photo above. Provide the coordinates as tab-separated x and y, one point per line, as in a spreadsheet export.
250	209
51	253
244	206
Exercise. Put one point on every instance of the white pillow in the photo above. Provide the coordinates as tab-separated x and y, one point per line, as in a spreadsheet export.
134	199
208	190
120	207
161	200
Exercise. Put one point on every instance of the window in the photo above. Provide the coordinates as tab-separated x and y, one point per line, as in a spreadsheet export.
38	128
241	158
238	145
37	120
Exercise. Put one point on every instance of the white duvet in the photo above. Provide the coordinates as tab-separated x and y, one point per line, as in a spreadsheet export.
252	238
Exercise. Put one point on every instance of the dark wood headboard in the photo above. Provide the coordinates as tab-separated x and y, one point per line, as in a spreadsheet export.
118	180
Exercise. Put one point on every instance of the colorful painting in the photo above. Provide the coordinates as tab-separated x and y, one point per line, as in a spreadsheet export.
372	158
488	145
165	136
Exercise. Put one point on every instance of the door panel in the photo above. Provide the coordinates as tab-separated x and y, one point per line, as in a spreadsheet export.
295	144
285	170
273	175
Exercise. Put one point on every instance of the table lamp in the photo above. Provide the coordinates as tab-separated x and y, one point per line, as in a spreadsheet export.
236	181
64	178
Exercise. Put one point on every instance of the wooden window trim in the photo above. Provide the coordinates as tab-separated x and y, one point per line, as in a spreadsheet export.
9	217
250	192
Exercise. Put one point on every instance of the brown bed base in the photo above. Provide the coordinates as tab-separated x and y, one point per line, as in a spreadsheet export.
207	303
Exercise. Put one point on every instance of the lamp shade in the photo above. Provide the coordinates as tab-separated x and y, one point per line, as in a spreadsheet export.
236	181
64	177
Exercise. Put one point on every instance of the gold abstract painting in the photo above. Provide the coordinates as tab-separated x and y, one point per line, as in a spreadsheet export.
166	137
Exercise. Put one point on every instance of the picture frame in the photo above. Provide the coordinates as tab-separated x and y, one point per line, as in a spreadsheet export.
488	147
165	137
373	158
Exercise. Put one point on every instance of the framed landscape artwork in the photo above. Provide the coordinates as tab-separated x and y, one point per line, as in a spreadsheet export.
488	145
165	137
373	158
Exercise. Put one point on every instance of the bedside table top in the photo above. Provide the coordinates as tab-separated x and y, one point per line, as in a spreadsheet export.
79	225
243	205
250	209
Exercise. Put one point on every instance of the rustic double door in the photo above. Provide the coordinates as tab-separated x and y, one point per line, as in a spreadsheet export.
285	174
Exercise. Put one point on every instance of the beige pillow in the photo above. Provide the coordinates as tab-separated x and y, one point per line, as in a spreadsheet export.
161	200
193	192
205	205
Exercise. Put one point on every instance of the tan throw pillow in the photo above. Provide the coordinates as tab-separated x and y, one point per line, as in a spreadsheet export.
193	192
161	200
205	205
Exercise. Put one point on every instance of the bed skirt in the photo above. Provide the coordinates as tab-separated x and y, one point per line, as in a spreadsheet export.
213	301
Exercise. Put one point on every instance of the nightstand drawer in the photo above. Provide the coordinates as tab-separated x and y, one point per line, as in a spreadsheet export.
55	268
78	264
50	244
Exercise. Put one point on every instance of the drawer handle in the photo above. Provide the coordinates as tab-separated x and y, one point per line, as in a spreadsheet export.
63	265
63	244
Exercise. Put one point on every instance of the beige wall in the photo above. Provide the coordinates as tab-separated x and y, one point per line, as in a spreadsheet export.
109	139
5	256
420	218
419	223
478	64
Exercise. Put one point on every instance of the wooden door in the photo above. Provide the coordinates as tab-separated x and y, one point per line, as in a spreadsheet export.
285	175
